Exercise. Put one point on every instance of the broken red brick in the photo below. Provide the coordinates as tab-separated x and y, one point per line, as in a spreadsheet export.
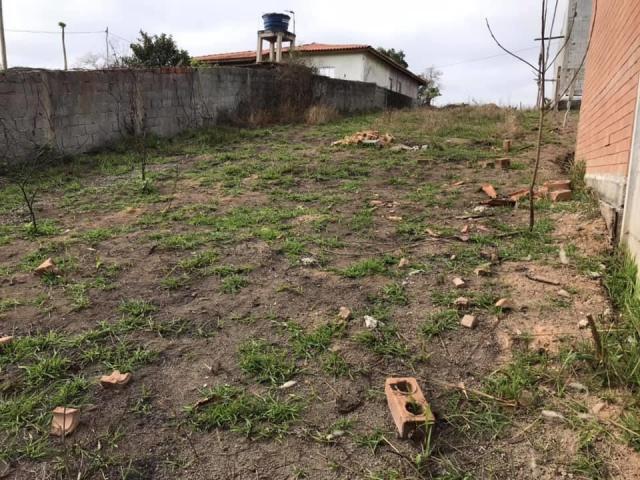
554	185
407	404
542	192
403	263
504	163
48	266
458	282
116	379
560	195
461	302
469	321
65	420
504	304
506	145
489	190
519	195
6	340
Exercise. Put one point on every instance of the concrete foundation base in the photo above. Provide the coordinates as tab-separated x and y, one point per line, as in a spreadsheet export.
611	191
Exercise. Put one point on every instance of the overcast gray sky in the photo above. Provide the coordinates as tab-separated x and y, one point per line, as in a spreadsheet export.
444	33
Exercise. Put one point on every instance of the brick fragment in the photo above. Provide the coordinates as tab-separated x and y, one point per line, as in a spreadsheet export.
116	379
561	195
344	313
461	302
504	304
469	321
504	163
489	190
48	266
403	263
6	340
458	282
555	185
408	405
65	420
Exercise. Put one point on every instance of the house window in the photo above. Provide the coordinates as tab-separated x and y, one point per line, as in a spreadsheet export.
327	72
399	83
391	83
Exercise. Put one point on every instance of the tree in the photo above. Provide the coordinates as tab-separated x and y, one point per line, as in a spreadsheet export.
545	62
431	89
156	51
90	61
397	56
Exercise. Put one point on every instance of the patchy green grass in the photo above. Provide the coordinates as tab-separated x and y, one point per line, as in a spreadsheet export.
255	416
265	362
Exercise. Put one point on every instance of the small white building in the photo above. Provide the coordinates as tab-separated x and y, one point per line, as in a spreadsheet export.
361	63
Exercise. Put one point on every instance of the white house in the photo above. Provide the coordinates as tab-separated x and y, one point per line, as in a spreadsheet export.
348	62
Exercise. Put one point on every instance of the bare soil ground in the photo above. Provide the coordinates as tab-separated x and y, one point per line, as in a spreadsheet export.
223	281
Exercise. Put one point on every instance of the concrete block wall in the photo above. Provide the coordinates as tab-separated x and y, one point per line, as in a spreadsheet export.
75	112
609	102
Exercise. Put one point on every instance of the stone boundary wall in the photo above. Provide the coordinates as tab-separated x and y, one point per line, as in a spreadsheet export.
79	111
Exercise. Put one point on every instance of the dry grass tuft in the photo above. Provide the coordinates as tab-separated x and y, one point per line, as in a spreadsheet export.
320	114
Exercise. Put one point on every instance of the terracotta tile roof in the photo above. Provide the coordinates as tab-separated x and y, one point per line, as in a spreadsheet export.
309	47
250	55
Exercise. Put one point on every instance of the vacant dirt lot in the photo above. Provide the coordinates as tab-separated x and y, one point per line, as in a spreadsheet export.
220	278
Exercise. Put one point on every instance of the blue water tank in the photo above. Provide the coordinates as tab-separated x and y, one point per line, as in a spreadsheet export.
276	22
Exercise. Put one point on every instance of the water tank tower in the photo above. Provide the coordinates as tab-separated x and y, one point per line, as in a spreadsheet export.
276	31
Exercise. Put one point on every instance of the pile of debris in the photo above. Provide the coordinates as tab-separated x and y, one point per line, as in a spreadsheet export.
554	190
368	137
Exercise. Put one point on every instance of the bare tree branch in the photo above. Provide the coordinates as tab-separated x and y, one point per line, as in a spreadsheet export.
535	69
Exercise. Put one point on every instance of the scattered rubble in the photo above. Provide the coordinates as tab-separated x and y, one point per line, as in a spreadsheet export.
504	304
458	282
582	324
48	266
469	321
370	322
116	379
408	406
289	384
403	263
65	420
6	340
461	302
551	416
483	270
368	137
344	313
489	190
308	261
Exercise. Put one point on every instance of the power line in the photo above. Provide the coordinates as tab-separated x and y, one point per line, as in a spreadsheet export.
484	58
51	32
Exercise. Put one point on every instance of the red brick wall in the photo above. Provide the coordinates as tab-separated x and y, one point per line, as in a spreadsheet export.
611	89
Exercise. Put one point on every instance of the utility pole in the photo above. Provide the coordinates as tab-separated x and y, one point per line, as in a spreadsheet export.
3	48
64	47
106	42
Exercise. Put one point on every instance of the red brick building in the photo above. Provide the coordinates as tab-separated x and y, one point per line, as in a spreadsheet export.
608	133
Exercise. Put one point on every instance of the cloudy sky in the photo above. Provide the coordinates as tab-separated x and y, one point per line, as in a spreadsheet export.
449	34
